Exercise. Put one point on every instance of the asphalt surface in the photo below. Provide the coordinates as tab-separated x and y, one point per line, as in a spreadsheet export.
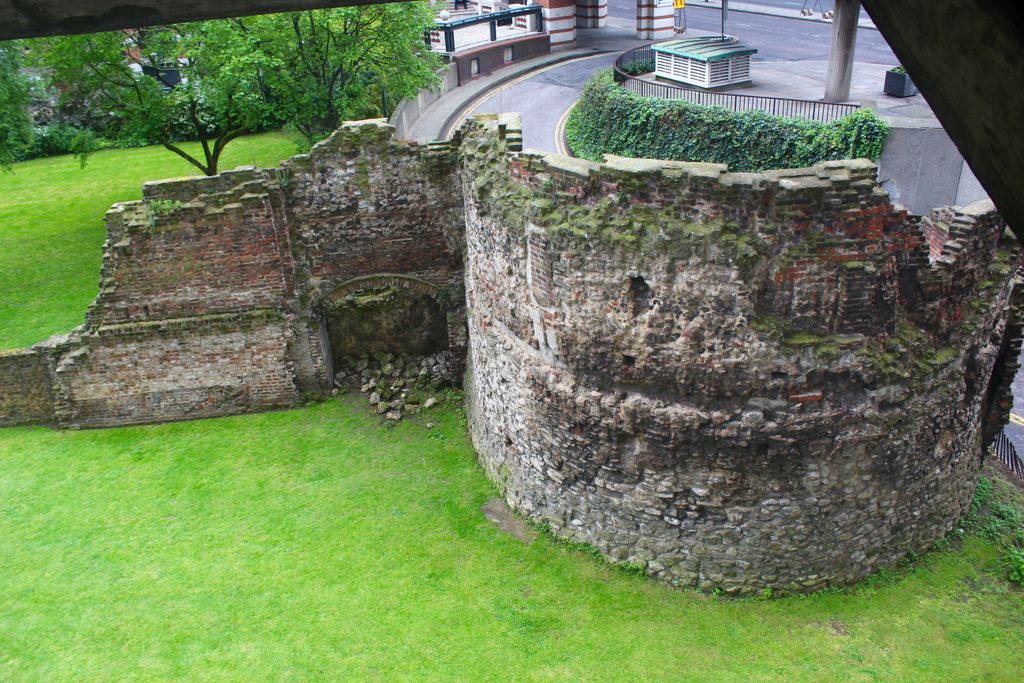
794	5
777	39
544	97
1015	429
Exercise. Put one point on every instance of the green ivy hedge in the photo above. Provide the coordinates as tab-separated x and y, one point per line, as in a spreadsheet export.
609	119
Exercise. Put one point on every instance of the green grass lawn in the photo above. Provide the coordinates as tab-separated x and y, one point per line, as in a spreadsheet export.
51	227
315	544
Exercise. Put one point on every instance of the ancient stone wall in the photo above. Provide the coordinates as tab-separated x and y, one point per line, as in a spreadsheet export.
195	246
738	381
375	214
214	291
374	205
174	369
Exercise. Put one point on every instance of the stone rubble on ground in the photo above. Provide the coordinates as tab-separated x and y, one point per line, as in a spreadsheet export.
395	385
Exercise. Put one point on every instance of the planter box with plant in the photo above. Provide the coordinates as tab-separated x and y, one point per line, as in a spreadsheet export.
898	83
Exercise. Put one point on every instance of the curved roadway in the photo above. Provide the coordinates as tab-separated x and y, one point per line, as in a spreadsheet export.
543	98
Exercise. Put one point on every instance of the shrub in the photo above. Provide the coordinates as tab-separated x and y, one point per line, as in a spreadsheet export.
637	68
62	138
15	123
997	514
610	119
1015	565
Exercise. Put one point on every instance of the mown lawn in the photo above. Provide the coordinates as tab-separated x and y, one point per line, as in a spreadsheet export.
51	227
316	544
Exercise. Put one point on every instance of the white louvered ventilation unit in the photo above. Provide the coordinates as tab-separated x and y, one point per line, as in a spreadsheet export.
710	62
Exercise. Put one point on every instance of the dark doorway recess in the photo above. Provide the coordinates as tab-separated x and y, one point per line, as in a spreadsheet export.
400	321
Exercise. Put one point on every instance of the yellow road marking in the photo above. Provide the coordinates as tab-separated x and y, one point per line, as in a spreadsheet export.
1016	419
560	145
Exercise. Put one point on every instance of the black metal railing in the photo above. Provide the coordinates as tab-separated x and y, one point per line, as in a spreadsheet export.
1007	454
633	63
495	19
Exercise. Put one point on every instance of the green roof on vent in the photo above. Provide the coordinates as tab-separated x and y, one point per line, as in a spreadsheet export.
706	49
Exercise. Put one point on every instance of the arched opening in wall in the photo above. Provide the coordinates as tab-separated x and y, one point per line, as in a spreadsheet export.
390	325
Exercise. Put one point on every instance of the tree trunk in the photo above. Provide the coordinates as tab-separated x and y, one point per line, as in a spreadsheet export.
187	157
211	154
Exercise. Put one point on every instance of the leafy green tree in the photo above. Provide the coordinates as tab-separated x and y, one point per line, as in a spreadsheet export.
311	69
221	94
15	123
351	62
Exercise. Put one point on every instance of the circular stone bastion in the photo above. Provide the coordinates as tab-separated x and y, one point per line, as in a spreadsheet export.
738	381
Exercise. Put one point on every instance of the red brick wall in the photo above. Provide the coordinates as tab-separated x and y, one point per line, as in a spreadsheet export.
492	57
214	254
936	231
25	394
154	372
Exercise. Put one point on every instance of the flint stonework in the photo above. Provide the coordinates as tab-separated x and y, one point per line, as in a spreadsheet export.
739	381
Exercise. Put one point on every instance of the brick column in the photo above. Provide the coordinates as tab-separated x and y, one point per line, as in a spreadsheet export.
560	21
591	13
654	21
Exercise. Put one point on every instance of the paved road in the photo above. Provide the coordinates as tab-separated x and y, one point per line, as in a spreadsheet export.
1015	430
543	98
789	5
777	39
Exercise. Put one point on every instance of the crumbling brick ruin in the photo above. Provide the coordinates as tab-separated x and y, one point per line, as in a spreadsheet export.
739	380
218	295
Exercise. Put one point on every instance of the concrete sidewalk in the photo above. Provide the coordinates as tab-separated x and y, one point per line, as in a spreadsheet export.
805	80
751	8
